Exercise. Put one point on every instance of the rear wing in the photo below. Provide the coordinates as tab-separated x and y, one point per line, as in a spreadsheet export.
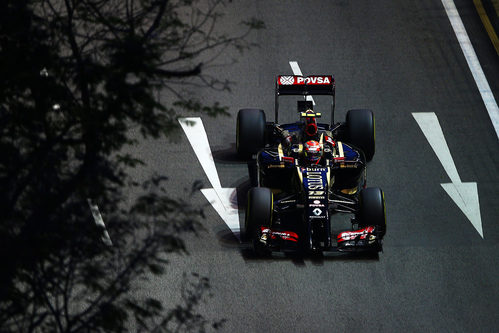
304	86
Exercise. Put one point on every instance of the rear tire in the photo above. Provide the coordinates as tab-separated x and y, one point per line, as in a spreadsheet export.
361	131
372	209
250	132
258	214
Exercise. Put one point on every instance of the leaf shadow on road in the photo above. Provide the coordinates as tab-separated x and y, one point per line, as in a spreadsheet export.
77	78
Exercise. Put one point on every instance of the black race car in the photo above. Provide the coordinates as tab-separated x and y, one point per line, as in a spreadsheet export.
293	199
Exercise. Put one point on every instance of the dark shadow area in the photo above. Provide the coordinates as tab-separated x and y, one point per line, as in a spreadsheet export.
229	239
228	156
300	258
75	247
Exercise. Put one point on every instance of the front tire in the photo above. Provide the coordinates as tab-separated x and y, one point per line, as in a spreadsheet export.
361	131
258	214
250	132
372	209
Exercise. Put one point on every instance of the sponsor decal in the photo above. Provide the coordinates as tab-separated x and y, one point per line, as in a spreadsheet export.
330	141
317	211
315	169
343	165
313	80
316	193
317	217
316	205
287	201
287	80
317	202
284	235
317	197
314	180
361	234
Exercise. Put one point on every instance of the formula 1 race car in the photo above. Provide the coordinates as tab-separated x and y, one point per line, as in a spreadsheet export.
308	171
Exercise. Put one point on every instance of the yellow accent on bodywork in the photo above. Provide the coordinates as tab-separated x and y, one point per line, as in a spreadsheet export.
340	149
350	191
310	115
299	175
342	154
281	153
328	175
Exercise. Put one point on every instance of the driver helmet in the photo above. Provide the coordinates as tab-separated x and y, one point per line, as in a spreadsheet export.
312	152
310	125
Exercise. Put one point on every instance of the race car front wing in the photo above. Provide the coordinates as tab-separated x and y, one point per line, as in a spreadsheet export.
365	239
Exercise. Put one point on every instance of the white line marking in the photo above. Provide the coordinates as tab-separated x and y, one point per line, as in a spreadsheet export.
196	134
473	63
297	71
223	200
295	68
465	195
100	222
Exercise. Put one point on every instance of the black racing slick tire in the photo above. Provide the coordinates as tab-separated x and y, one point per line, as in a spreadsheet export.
250	132
361	131
372	209
258	214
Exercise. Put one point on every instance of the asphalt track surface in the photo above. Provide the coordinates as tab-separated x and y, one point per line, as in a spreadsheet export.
395	57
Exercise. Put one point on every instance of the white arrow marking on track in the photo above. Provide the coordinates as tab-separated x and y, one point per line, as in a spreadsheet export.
465	195
297	71
222	199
